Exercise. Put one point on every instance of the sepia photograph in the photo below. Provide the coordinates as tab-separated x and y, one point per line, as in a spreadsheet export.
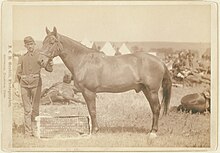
109	76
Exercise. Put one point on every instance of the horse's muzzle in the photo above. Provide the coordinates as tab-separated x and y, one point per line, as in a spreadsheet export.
42	61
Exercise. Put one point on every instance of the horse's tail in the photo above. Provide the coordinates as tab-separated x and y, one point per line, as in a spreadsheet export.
167	86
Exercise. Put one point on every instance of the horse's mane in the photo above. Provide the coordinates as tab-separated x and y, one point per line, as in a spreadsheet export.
79	45
90	55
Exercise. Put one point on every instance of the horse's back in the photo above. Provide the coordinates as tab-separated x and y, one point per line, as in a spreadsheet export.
143	66
135	56
150	62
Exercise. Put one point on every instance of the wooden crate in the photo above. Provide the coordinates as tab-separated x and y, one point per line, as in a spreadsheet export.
63	121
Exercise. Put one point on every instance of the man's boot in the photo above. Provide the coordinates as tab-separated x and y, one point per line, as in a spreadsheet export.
34	129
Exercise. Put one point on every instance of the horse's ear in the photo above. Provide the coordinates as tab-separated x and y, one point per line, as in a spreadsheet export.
47	31
55	31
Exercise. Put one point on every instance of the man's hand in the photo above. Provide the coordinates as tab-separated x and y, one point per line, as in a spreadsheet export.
50	62
49	66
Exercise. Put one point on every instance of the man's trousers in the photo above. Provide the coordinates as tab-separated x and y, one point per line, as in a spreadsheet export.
31	101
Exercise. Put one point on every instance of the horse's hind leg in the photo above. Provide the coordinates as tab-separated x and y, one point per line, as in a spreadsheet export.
152	97
91	104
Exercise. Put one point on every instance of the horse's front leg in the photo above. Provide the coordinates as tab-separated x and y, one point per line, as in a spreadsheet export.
89	97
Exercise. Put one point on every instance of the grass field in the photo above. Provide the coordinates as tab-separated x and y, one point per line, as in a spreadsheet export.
124	120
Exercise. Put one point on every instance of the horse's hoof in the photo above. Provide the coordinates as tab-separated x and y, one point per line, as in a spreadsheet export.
152	135
95	130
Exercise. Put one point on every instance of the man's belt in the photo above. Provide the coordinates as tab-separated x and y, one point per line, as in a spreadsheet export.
30	75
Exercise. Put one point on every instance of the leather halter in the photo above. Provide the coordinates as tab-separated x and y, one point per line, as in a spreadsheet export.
59	49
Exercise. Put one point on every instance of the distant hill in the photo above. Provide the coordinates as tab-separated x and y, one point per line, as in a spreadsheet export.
18	45
147	46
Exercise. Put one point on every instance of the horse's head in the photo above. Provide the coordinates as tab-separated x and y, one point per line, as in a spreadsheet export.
51	48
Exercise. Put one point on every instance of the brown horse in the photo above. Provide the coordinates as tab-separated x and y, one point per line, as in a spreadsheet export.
93	72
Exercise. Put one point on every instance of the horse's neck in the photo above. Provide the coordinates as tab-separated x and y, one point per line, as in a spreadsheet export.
70	59
73	53
73	45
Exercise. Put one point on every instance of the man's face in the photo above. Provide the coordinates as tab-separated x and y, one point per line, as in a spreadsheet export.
67	78
30	46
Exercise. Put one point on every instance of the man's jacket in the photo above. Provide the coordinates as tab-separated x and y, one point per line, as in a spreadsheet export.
28	70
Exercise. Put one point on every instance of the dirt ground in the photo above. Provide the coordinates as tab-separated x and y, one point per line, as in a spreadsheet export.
124	120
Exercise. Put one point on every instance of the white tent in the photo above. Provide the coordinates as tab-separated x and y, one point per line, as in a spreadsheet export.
57	60
87	43
153	53
124	49
108	49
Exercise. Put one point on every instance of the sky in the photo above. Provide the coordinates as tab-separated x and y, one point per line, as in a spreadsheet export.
169	23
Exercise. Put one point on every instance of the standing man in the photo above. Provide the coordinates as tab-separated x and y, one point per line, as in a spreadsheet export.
28	76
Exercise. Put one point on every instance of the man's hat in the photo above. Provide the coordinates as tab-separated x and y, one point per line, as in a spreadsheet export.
28	39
